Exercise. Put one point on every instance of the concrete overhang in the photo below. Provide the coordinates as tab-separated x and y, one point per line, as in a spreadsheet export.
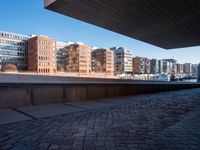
165	23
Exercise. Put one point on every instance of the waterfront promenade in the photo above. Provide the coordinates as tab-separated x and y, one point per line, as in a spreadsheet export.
165	120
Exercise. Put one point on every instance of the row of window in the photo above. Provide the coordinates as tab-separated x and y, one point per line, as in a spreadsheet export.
43	70
123	56
5	47
44	64
44	47
13	63
128	63
43	58
4	58
13	42
44	53
12	53
14	36
45	42
83	66
83	61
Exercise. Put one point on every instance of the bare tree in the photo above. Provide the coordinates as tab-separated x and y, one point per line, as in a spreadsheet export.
99	67
9	67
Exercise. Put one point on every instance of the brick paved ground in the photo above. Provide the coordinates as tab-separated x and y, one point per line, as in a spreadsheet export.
168	120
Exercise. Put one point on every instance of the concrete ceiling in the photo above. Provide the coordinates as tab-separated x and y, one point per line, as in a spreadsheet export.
165	23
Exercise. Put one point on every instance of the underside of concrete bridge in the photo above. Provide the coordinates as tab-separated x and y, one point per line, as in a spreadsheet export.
165	23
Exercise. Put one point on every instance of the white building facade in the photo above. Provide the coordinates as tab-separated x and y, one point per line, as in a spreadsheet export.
122	60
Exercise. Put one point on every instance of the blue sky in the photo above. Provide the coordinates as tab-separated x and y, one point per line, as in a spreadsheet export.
30	17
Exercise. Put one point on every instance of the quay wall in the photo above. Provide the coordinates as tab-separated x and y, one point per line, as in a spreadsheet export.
24	94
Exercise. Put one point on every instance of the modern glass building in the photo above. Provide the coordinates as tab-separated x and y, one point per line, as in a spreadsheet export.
13	50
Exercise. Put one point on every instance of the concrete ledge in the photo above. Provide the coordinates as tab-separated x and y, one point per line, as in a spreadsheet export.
24	94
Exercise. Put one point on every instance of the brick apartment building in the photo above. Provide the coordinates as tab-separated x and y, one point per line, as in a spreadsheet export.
41	55
138	65
78	58
103	61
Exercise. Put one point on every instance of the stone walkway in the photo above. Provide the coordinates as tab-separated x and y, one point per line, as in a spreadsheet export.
168	120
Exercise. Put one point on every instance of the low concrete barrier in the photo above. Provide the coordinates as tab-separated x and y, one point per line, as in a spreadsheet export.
23	94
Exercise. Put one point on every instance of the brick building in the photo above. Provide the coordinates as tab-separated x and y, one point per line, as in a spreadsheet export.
78	58
41	55
103	61
138	65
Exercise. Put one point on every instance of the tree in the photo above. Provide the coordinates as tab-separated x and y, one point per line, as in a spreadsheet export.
9	67
99	67
60	68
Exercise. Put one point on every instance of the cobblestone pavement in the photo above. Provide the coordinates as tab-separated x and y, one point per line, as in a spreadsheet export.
169	120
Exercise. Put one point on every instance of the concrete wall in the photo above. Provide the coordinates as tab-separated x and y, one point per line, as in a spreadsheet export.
23	94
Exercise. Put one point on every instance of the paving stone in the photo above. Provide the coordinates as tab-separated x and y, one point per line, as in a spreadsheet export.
49	110
166	120
10	116
53	147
